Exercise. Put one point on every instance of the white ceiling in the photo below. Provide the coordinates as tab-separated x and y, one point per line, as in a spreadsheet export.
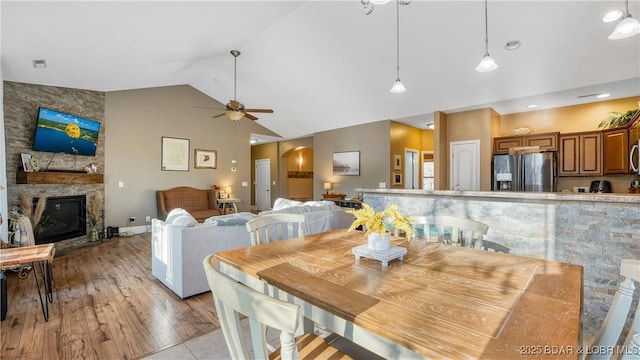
325	64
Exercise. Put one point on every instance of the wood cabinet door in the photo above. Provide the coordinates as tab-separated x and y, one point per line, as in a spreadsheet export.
546	142
615	151
501	145
591	154
569	155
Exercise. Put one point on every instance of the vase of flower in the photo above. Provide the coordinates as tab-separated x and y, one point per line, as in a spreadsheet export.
95	237
379	242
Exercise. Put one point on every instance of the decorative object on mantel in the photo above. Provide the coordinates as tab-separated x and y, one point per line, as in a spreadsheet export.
377	224
26	162
616	119
521	131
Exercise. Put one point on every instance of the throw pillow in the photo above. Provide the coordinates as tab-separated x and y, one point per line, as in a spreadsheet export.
184	221
282	203
229	220
175	213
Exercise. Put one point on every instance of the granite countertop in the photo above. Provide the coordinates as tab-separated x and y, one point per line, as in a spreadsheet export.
516	195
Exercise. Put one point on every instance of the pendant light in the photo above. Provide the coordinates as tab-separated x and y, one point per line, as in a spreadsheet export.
627	27
398	86
487	63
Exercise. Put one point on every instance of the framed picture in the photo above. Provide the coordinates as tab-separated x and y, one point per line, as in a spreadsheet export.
205	159
397	162
26	162
346	163
175	154
397	178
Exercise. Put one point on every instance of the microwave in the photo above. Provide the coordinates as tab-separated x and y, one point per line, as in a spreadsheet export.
634	158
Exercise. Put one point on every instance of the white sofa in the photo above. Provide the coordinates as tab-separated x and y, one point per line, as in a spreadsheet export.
179	244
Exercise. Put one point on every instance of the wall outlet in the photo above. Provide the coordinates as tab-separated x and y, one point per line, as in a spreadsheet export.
148	219
132	219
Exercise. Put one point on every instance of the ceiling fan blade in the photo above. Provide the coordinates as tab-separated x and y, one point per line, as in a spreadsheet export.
259	110
250	117
217	116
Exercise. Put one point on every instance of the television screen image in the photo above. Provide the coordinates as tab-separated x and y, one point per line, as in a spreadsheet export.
60	132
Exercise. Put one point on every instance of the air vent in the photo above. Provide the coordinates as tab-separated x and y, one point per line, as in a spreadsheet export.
39	64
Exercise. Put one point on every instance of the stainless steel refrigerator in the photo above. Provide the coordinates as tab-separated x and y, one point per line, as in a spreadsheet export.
525	172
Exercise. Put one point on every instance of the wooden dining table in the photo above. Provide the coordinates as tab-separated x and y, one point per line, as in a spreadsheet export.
438	301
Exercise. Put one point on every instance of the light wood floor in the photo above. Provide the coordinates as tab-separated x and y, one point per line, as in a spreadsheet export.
106	305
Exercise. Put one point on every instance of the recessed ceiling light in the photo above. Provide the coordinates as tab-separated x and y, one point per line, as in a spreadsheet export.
602	96
532	106
512	45
253	141
612	16
39	64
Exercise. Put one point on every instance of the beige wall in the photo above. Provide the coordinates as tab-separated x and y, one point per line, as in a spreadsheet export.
403	137
138	119
372	140
567	119
472	125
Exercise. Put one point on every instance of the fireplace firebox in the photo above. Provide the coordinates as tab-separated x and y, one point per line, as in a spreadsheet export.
64	218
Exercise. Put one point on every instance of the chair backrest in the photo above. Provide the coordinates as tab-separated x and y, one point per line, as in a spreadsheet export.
232	299
609	332
272	227
494	246
450	230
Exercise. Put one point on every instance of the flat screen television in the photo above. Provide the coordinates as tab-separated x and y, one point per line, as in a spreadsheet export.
63	133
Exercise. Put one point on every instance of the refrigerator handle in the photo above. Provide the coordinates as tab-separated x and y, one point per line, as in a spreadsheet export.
633	167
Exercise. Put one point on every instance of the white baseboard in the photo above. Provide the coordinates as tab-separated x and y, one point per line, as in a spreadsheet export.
135	229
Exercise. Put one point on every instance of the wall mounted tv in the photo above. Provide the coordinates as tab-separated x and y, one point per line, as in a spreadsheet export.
59	132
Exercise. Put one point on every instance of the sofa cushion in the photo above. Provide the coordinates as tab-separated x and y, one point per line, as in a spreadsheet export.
181	217
229	220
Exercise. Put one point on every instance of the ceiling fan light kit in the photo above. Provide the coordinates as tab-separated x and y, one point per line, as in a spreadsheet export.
486	64
628	26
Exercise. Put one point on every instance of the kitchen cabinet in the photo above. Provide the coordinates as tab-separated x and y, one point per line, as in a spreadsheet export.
546	142
615	151
580	154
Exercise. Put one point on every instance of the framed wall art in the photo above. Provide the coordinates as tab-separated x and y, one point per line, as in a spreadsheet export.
346	163
397	162
397	178
26	162
175	154
205	159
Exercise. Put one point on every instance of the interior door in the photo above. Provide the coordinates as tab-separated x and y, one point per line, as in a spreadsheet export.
263	187
411	170
464	165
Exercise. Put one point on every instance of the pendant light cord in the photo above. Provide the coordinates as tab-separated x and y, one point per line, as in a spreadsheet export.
486	30
397	39
235	82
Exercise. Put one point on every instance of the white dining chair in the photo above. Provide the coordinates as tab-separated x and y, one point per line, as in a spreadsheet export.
451	230
271	227
232	299
609	332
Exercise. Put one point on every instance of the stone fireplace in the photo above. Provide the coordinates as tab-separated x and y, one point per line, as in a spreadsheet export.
64	218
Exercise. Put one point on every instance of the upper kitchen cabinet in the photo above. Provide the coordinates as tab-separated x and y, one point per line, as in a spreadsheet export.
546	142
615	151
580	154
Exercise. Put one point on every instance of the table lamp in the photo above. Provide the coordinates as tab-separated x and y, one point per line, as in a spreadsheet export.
327	186
228	191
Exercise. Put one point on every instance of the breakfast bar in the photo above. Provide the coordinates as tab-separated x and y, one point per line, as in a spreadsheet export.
595	231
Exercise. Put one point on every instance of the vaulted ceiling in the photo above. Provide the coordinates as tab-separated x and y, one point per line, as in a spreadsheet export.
325	64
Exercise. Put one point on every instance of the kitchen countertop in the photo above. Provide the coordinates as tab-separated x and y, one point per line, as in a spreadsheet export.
516	195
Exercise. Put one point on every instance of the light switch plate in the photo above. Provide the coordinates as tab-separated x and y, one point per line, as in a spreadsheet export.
244	183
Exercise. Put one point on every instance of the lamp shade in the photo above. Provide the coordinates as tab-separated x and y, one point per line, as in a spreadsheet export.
228	190
486	64
398	87
327	185
234	115
627	27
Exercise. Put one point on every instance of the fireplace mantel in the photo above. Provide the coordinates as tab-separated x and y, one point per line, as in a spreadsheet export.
44	177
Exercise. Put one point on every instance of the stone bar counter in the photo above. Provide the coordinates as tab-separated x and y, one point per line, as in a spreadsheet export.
596	231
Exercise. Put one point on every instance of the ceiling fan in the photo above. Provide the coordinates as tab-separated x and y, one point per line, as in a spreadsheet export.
235	110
